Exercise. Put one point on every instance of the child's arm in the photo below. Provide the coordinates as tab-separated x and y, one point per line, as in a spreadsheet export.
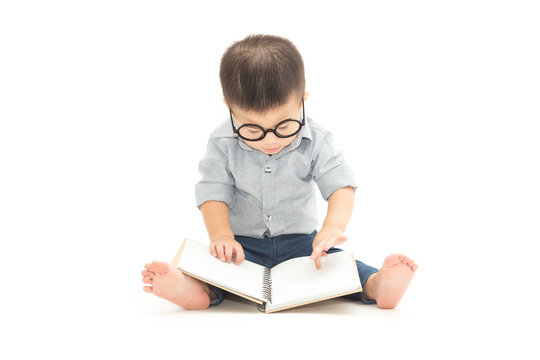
340	206
222	244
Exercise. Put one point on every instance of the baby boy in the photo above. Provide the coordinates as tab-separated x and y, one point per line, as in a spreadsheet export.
257	192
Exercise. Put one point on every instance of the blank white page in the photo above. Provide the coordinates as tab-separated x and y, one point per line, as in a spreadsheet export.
245	278
297	280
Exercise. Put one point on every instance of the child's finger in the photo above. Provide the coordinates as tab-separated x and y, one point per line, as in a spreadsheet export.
340	240
213	249
239	254
318	262
228	252
220	252
324	246
335	241
328	244
316	251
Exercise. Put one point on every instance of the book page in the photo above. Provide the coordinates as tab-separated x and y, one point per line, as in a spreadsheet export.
245	278
297	280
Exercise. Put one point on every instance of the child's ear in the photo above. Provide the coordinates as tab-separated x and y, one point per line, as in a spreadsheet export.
306	95
225	102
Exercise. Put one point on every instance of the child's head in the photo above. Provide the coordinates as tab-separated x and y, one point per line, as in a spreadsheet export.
261	73
262	78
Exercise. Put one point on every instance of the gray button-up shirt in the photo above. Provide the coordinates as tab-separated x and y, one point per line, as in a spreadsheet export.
271	193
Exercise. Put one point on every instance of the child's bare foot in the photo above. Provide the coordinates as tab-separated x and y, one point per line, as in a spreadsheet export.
171	284
388	285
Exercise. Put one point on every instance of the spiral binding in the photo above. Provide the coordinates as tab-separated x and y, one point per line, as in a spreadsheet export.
267	285
266	288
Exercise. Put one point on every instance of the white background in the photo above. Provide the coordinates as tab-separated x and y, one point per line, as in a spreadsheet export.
105	109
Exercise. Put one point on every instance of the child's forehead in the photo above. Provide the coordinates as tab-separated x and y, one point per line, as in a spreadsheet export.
268	118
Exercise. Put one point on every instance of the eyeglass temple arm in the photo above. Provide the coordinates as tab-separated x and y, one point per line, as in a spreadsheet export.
235	130
303	112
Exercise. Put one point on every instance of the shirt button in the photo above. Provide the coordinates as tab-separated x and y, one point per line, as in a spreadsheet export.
267	170
268	218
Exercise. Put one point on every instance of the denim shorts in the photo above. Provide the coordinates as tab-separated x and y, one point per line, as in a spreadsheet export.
270	251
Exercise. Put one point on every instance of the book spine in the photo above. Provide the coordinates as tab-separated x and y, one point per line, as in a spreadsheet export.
266	289
267	285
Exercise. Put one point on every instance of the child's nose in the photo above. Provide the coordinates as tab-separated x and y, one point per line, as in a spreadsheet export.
270	137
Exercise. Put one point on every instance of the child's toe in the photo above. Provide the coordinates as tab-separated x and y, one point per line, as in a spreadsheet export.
160	267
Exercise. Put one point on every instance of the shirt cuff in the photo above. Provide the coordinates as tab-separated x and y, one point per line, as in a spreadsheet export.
213	192
336	179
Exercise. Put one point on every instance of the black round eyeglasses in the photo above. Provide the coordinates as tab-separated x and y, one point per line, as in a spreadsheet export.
283	129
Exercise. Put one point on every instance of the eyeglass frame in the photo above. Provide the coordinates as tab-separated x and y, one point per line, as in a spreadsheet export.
266	131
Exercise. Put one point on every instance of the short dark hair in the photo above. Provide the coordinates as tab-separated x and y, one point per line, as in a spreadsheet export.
261	72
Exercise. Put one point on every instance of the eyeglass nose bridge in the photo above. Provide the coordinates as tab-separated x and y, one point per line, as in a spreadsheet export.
266	131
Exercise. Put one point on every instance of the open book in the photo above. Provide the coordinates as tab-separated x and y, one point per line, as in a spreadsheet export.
289	284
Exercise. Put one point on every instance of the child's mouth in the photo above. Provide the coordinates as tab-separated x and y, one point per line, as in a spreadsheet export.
272	150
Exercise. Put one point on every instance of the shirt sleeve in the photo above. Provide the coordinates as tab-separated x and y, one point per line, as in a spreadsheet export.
217	182
330	171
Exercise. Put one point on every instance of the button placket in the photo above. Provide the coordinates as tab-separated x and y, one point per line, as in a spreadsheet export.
268	177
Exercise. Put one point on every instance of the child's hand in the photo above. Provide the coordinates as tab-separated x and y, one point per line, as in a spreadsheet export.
324	240
225	249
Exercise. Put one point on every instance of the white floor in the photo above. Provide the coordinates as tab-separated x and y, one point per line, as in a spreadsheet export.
107	319
430	322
